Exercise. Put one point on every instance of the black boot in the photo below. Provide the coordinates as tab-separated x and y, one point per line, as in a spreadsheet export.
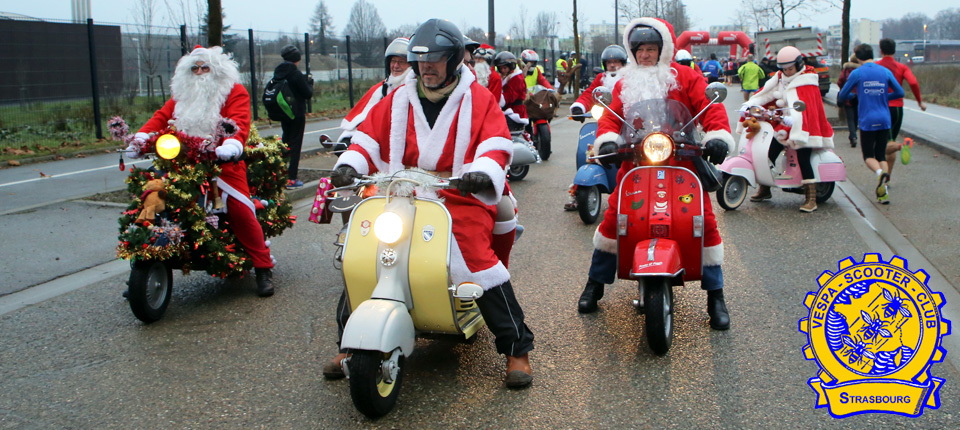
719	318
264	282
592	293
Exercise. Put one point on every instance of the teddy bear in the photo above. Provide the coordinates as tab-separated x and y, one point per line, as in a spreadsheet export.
752	126
152	199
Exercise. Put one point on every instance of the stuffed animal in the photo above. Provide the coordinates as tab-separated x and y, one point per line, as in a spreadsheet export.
752	126
153	197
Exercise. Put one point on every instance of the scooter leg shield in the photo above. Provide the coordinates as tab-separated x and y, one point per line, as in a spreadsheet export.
657	257
380	325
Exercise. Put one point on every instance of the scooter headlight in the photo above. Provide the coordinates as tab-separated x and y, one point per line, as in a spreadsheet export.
596	111
168	146
388	227
657	147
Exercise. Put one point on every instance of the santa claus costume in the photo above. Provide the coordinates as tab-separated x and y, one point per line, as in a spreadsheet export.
665	80
197	105
514	92
373	96
810	128
605	79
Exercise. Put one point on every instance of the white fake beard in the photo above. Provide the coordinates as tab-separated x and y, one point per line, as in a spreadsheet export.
198	100
611	78
646	83
483	72
395	81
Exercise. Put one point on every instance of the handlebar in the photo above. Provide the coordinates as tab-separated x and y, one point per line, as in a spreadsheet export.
401	176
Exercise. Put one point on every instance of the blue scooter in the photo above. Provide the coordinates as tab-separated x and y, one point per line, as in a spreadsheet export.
592	179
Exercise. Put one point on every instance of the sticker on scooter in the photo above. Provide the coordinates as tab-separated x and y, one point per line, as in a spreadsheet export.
636	204
679	179
428	231
686	198
660	207
661	194
364	227
661	174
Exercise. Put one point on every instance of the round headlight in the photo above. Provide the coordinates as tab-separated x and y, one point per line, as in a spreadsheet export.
596	111
657	147
388	227
168	147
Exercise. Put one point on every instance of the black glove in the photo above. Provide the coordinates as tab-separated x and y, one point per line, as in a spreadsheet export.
715	151
343	176
474	182
607	148
575	111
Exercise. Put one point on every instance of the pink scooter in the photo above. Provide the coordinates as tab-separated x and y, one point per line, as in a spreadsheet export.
741	170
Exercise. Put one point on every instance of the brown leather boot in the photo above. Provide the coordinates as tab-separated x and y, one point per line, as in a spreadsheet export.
333	370
810	205
519	372
763	193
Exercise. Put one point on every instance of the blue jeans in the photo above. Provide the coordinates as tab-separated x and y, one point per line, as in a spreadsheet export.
603	269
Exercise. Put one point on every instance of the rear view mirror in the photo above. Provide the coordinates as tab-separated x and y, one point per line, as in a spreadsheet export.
799	106
603	95
716	91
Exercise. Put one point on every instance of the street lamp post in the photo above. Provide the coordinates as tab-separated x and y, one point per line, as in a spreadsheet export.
139	73
337	48
924	42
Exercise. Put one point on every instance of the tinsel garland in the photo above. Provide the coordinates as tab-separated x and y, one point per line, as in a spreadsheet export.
187	178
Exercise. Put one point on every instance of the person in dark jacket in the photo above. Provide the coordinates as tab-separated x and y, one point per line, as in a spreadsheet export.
302	87
850	106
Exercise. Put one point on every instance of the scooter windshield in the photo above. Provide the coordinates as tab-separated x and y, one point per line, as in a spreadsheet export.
660	115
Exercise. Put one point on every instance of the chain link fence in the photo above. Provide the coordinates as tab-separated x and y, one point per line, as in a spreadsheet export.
62	81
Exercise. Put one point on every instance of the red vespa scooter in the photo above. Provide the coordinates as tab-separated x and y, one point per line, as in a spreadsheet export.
660	219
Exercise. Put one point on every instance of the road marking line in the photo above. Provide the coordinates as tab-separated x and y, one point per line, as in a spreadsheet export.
43	178
62	285
932	114
320	131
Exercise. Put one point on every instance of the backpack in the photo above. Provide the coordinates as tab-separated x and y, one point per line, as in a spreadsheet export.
278	100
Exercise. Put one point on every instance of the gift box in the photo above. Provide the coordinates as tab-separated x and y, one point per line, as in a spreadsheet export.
320	212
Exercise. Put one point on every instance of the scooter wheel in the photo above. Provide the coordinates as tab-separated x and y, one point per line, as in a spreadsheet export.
732	192
543	138
824	191
517	173
149	290
371	395
658	309
588	203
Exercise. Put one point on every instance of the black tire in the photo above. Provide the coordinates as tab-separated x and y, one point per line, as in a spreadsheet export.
543	141
371	396
588	203
824	191
517	173
149	290
658	309
732	192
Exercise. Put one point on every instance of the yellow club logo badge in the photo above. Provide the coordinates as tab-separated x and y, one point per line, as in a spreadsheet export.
874	328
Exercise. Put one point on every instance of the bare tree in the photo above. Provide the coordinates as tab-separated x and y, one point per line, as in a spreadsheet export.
475	33
321	25
520	25
910	26
405	30
673	11
948	24
545	25
145	12
366	30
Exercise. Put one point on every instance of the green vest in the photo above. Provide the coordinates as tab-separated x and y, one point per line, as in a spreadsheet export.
531	79
560	67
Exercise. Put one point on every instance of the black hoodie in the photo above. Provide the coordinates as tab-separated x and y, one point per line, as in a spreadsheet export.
298	83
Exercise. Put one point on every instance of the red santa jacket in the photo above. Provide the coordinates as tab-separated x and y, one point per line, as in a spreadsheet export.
236	107
605	79
514	93
810	129
362	108
495	85
469	135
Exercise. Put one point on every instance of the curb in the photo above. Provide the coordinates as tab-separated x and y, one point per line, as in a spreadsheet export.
917	137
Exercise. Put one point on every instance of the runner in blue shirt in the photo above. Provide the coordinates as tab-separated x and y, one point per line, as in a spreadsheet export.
713	67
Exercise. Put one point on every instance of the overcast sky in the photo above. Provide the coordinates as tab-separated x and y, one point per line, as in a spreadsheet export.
274	15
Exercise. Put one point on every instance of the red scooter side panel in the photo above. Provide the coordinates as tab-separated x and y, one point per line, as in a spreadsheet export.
660	202
656	257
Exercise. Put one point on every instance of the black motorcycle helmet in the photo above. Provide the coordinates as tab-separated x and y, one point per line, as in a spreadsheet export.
644	34
470	45
504	58
613	52
436	40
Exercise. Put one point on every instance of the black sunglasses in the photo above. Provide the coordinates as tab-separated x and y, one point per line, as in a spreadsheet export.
204	67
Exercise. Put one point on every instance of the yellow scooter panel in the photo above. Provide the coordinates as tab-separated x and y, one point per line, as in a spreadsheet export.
360	251
429	269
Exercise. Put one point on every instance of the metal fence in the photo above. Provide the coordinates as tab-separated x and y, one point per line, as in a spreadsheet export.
61	81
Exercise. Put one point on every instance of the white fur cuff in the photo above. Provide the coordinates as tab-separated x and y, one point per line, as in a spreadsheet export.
606	137
355	160
577	105
604	243
142	136
712	255
503	227
497	175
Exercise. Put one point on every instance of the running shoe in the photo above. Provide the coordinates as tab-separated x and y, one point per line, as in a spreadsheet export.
905	151
294	184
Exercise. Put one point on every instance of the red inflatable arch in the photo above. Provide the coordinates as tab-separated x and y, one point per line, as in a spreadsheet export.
732	38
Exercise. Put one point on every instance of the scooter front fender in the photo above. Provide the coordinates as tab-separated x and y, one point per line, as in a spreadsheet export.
740	166
380	325
522	154
657	257
590	175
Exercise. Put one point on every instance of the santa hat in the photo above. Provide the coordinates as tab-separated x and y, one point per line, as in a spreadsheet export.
666	34
485	46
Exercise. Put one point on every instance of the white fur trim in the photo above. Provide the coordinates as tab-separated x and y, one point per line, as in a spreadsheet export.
355	160
666	54
233	193
235	143
740	128
516	71
777	94
604	243
503	102
515	117
579	105
497	175
723	135
781	103
371	102
712	255
142	136
504	227
486	278
371	147
606	137
431	141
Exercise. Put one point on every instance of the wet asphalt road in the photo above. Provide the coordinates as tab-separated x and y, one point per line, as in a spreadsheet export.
224	358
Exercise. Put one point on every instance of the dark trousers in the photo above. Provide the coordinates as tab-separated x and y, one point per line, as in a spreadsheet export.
852	120
500	310
803	157
603	269
293	137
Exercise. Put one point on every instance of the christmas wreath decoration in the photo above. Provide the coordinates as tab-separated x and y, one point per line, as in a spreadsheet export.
186	233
